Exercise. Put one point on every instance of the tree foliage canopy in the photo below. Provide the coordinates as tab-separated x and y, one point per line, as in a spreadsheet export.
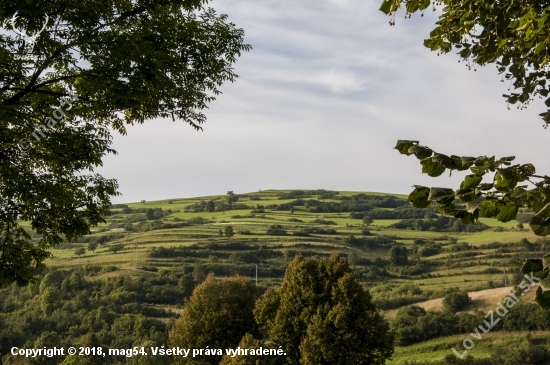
513	34
96	67
321	315
218	315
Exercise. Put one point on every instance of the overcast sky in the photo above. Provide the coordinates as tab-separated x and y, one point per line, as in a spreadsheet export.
327	90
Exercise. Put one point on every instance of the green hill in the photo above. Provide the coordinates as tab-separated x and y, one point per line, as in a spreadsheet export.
150	255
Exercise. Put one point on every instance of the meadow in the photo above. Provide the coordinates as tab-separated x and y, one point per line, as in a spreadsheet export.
172	244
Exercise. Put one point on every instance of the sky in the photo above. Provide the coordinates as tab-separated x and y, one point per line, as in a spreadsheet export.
322	98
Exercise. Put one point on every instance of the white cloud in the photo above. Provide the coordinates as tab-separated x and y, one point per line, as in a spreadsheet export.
340	81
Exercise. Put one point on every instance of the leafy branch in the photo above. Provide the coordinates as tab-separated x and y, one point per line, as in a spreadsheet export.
498	198
512	34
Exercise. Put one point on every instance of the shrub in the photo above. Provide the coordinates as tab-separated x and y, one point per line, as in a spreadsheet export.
455	302
276	230
115	248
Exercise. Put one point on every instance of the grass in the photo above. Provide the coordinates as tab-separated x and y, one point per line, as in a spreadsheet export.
434	351
451	270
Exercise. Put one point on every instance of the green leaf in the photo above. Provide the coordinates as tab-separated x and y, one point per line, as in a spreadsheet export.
540	226
485	187
488	209
441	195
431	168
505	181
532	266
386	6
404	146
507	212
421	152
466	195
424	4
545	283
546	261
471	181
543	298
467	217
419	197
540	47
472	205
544	212
412	6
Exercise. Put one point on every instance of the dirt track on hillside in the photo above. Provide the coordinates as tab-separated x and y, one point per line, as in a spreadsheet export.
483	300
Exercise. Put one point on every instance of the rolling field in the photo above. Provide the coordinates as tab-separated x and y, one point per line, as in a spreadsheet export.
177	236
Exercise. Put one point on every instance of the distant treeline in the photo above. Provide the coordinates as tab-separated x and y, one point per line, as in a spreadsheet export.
440	224
321	193
359	202
414	324
215	206
403	212
368	242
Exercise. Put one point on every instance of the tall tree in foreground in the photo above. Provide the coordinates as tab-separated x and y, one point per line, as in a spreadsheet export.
217	316
71	73
321	315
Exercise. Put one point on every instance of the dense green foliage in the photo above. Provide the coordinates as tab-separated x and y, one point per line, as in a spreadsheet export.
102	66
439	224
218	315
319	310
172	260
398	255
454	302
69	306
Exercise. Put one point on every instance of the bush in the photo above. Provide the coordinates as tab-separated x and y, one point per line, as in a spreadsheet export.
276	230
115	248
295	220
429	251
323	221
455	302
80	251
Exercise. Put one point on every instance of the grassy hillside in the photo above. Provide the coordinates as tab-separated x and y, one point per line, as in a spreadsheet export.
169	246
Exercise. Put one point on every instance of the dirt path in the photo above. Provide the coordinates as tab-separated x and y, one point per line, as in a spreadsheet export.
480	299
483	300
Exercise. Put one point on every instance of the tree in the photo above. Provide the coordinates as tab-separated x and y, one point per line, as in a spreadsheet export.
116	247
511	34
92	70
367	220
249	342
231	198
92	246
150	214
352	258
455	302
218	315
199	273
319	310
229	232
398	255
210	206
276	230
80	251
220	232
